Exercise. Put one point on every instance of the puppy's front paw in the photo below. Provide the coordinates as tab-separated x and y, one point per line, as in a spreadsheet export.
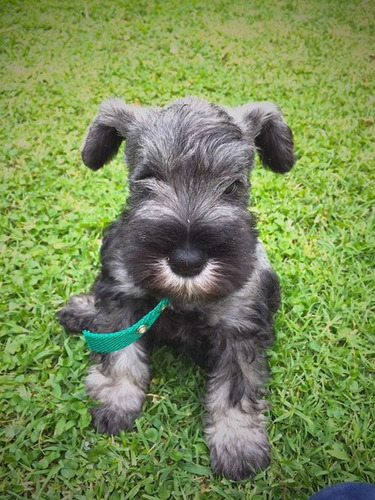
78	313
118	384
238	449
108	420
240	461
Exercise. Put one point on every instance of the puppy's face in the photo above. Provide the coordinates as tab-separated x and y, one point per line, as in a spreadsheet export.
188	234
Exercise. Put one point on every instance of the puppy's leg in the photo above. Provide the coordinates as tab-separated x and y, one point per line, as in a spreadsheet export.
235	425
120	382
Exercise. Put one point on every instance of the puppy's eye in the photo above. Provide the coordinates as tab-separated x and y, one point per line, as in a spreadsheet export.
232	188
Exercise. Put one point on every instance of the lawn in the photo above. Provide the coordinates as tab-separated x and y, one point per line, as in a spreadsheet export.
59	60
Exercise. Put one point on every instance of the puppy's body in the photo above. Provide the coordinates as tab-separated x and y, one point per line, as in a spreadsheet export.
188	235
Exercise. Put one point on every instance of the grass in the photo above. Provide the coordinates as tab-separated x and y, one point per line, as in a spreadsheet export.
58	61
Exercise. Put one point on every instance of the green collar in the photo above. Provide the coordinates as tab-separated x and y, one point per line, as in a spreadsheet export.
110	342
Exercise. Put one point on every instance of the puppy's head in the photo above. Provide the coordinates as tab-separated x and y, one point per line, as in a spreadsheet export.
188	234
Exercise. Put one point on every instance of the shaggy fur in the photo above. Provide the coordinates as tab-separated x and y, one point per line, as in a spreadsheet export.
187	235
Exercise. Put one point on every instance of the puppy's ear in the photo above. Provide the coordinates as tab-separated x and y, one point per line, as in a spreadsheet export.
106	132
273	138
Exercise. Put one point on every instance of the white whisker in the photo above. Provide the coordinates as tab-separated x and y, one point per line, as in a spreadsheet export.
188	287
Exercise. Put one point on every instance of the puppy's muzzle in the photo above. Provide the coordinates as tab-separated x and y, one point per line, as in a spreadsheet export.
187	261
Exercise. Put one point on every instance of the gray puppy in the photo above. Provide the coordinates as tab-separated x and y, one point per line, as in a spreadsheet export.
187	235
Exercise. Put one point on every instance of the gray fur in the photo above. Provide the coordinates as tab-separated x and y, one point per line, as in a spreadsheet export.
187	235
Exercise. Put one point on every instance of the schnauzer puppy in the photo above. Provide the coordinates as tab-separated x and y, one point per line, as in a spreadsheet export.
187	235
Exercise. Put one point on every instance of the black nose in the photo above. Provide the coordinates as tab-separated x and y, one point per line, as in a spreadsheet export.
187	261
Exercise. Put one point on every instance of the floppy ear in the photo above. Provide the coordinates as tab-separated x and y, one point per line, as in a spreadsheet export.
106	132
273	138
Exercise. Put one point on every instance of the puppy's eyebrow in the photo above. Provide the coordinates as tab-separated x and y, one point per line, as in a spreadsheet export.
147	171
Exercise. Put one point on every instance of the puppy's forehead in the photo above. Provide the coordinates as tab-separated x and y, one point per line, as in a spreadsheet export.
187	118
193	107
190	130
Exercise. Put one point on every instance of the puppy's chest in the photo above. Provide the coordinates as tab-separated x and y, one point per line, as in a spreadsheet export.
187	333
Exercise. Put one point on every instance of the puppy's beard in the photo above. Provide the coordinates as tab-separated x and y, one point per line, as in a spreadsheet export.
191	288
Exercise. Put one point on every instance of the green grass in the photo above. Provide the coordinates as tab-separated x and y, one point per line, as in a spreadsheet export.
58	61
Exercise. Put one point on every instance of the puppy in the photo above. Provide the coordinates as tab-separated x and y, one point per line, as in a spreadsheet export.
187	235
